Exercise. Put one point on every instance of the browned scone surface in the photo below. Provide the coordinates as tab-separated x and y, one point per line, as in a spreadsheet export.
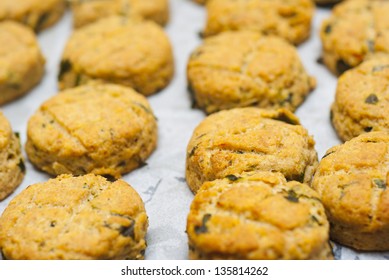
100	129
257	215
245	68
249	139
352	181
76	218
289	19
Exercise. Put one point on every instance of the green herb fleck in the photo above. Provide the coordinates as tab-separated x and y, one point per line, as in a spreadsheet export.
22	166
372	99
368	129
128	231
203	228
232	177
192	152
328	29
381	184
292	196
64	68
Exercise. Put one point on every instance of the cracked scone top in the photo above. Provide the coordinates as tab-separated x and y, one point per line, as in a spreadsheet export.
289	19
12	167
85	12
257	215
38	14
101	129
245	68
21	61
129	52
85	217
355	31
361	101
249	139
352	181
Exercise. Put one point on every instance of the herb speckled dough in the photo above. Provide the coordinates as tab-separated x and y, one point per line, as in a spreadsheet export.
249	139
38	14
355	31
245	68
100	129
290	19
85	12
75	218
118	50
12	167
257	215
361	101
352	180
21	61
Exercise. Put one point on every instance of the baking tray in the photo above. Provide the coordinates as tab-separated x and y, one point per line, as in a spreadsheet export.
161	183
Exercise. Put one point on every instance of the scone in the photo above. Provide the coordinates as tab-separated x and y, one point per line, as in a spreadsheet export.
118	50
38	14
101	129
85	12
352	180
245	68
249	139
75	218
290	19
355	31
21	61
12	167
361	102
257	216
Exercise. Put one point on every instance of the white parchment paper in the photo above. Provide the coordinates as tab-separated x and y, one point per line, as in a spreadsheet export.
162	182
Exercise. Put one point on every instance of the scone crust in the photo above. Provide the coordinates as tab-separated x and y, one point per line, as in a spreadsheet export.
257	215
129	52
290	20
355	31
86	12
245	68
79	218
37	14
249	139
12	167
100	129
21	61
361	99
352	182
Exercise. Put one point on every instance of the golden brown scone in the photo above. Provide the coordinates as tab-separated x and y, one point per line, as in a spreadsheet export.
352	180
21	61
249	139
100	129
118	50
361	101
355	31
257	216
38	14
75	218
85	12
245	68
12	167
290	19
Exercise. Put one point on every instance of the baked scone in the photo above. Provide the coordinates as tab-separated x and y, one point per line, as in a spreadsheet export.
85	12
38	14
129	52
75	218
249	139
352	180
356	30
12	168
290	19
361	102
245	68
257	216
100	129
21	61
